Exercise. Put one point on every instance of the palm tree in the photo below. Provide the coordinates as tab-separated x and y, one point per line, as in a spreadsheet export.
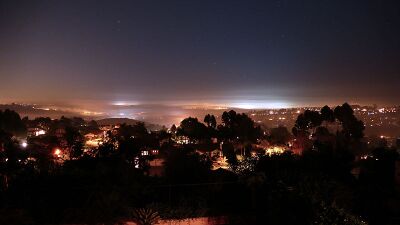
145	216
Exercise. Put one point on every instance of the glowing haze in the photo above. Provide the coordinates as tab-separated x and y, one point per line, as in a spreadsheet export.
246	54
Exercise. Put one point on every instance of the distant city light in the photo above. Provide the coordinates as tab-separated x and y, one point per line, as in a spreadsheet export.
124	103
260	105
45	109
92	113
119	103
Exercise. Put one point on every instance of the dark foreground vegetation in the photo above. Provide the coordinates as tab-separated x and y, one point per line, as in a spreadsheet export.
335	180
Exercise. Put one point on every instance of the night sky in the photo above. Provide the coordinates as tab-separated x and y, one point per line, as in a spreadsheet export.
234	53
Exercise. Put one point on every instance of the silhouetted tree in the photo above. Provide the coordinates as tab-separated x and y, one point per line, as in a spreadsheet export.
106	149
309	120
210	121
193	129
173	129
145	216
186	166
130	148
279	135
229	152
91	126
72	135
380	167
238	127
138	130
76	149
327	114
352	128
11	122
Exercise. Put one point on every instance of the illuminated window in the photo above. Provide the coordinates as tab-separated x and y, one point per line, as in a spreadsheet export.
145	152
136	161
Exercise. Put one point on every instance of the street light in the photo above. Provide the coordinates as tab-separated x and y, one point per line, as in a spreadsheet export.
24	144
57	152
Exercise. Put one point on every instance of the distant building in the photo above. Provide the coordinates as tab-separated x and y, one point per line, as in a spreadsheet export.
60	132
156	165
147	152
182	140
35	131
144	152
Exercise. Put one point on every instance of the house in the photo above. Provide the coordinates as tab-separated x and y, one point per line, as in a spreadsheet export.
182	140
35	131
94	139
60	132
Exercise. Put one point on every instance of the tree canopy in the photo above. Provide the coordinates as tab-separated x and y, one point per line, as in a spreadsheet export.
11	122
